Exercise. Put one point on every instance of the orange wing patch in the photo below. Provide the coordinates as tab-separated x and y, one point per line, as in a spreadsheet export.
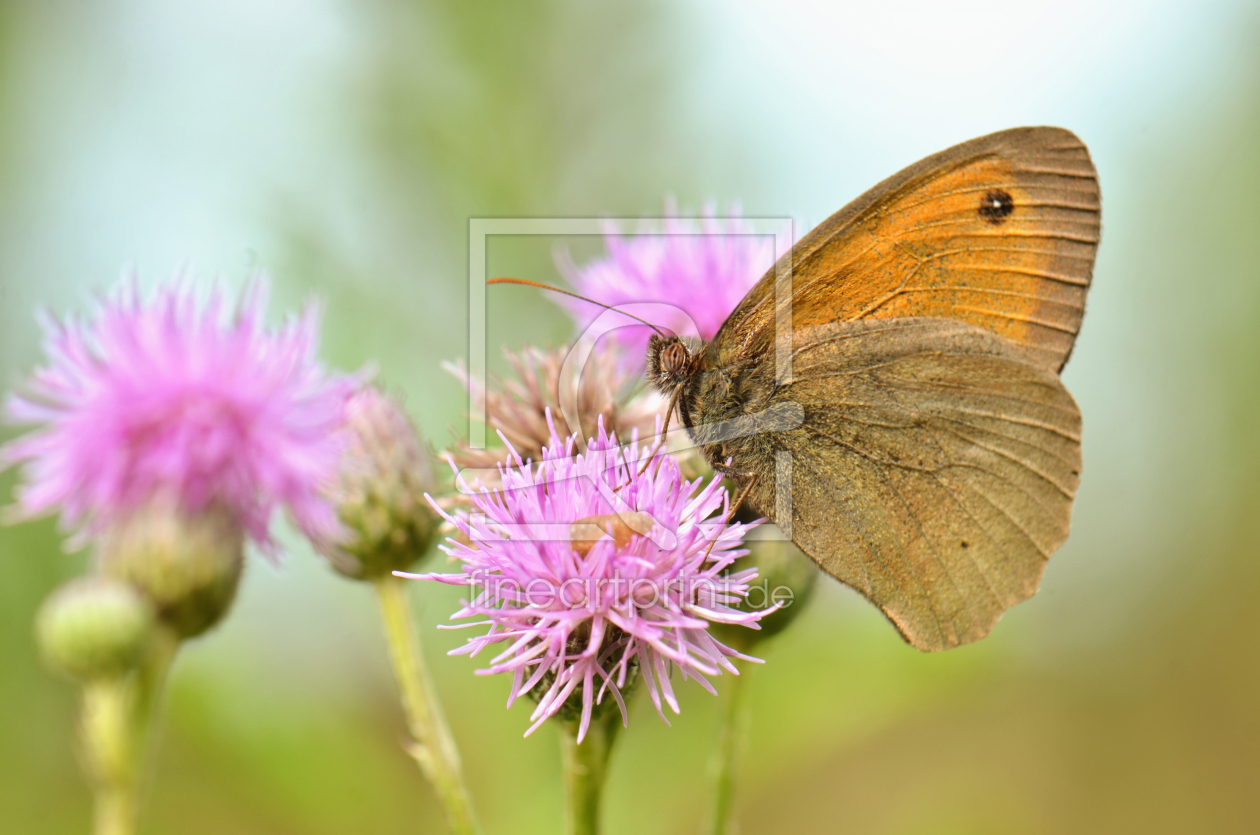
999	232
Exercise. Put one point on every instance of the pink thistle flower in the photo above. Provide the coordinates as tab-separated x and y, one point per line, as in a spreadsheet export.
174	399
703	270
590	605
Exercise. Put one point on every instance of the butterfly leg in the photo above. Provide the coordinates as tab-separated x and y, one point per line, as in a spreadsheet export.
744	489
669	413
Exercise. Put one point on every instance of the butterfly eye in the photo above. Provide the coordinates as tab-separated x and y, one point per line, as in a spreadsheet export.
673	358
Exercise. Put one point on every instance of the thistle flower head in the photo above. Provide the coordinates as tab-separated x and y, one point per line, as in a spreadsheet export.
589	573
703	269
179	400
522	408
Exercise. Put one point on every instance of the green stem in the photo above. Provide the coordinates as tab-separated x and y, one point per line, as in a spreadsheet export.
433	746
726	754
109	749
585	769
114	812
151	681
117	716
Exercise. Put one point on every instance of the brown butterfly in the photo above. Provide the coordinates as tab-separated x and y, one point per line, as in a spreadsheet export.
889	395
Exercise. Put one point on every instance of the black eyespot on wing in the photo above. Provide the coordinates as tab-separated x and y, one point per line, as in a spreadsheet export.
996	206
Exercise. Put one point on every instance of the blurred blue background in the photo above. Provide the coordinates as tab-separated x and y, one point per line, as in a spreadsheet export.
343	145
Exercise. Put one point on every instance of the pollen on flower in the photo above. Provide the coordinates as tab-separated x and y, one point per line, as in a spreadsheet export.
578	621
179	398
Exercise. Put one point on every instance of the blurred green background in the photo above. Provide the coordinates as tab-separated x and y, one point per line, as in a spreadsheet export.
342	145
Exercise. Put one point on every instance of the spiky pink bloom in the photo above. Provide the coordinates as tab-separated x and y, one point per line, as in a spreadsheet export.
583	618
176	398
703	269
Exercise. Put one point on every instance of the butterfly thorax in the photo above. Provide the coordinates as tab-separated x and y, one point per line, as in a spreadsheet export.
676	369
713	400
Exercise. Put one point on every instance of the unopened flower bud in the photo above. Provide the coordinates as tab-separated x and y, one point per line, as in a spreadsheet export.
383	476
94	628
785	578
189	566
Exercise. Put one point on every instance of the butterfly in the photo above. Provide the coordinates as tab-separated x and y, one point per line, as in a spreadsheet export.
889	395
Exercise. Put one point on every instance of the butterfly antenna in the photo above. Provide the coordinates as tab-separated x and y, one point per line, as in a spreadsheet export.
542	286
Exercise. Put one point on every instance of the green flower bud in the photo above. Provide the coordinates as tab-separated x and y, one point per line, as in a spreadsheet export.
785	576
188	566
94	628
384	473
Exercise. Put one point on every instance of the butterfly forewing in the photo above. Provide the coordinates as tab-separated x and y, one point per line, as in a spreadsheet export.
999	232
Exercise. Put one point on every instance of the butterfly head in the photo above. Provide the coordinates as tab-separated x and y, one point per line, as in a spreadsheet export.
670	362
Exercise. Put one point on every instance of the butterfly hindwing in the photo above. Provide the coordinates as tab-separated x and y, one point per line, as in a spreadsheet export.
934	470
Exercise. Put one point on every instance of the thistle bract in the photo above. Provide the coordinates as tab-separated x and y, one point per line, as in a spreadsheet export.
189	566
